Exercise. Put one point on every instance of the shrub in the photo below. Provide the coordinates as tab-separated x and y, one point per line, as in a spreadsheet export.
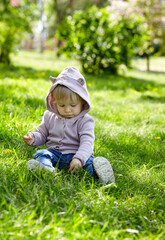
102	41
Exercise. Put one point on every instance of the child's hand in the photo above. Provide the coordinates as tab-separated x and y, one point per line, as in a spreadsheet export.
75	165
29	139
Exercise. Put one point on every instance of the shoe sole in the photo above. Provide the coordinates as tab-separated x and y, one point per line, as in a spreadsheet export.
34	166
104	170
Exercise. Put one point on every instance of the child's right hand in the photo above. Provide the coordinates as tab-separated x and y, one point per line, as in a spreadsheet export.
29	139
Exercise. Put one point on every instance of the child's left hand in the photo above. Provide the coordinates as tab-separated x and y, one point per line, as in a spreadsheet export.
75	165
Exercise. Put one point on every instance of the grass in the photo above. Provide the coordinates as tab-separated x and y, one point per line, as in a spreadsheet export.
130	119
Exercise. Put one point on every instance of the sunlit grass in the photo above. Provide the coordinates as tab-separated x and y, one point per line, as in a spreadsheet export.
156	64
45	62
130	119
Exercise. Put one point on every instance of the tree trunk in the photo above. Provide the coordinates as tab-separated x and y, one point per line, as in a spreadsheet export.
61	13
5	50
148	62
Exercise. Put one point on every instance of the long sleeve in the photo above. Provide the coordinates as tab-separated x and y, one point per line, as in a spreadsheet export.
41	132
86	134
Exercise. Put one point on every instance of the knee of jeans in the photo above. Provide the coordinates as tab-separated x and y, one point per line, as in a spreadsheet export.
89	169
43	153
89	161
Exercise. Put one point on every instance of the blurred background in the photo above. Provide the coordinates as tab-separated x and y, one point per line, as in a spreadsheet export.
101	34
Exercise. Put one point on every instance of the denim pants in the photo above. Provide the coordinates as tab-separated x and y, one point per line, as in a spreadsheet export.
51	158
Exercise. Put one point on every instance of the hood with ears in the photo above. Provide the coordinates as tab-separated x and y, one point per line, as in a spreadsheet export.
71	78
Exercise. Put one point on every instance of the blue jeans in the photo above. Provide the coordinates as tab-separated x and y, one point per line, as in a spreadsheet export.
52	158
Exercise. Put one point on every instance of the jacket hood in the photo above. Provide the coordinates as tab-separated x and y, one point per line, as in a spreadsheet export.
71	78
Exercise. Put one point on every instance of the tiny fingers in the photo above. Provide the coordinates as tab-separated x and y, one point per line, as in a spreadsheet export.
71	169
28	139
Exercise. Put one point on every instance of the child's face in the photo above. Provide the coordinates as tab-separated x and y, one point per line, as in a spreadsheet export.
69	108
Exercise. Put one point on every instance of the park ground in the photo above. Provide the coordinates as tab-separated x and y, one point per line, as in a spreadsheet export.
129	115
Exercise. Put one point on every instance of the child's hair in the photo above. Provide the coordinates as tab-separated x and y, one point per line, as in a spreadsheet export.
62	92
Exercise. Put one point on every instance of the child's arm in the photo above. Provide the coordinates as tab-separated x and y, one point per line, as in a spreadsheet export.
75	165
86	134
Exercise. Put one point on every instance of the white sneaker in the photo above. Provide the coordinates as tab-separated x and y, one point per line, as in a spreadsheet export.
104	170
34	166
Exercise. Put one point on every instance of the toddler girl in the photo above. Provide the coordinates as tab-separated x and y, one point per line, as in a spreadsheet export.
67	130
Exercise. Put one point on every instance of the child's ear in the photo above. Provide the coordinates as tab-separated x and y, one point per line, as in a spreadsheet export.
53	79
81	81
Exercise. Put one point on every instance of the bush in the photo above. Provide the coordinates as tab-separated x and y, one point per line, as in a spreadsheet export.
102	41
15	20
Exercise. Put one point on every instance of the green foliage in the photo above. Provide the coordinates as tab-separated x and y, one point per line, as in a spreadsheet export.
57	10
101	40
154	12
14	21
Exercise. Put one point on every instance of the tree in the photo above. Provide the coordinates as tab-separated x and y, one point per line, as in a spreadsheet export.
16	17
102	40
58	10
154	13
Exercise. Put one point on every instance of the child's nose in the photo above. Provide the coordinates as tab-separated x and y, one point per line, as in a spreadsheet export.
67	109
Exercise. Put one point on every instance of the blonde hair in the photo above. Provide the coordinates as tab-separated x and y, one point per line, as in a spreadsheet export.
62	92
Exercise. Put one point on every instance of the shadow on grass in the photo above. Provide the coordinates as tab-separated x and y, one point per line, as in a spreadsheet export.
15	72
122	82
98	83
101	82
151	72
153	99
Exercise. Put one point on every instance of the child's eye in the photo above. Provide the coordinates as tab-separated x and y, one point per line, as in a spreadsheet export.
61	105
73	105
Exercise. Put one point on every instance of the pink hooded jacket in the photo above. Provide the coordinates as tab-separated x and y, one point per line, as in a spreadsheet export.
74	135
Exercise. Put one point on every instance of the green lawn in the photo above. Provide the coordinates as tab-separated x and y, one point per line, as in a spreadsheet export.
129	113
